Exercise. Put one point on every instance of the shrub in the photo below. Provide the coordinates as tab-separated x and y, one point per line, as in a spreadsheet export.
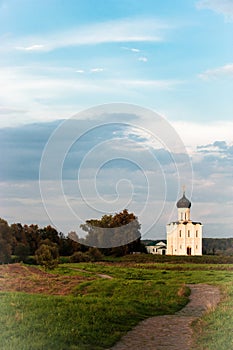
79	257
64	259
47	255
30	260
95	254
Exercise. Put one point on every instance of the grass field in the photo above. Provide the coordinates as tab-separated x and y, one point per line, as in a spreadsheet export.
76	308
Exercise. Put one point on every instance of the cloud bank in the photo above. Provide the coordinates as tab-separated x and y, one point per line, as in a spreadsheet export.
126	30
122	160
225	71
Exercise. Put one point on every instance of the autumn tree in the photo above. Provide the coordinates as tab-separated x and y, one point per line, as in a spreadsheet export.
114	231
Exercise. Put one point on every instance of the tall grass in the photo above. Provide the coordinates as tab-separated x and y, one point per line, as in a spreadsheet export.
215	330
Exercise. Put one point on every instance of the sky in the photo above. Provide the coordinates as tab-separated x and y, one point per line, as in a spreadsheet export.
166	66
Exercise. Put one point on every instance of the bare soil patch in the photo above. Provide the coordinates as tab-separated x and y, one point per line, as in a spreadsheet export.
29	279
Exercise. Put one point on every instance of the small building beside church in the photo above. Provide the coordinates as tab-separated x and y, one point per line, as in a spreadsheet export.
157	248
184	236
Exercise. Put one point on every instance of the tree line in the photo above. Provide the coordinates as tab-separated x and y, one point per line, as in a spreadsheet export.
210	246
24	240
31	243
217	246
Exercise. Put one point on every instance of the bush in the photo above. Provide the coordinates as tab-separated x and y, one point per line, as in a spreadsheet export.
80	257
95	254
64	259
47	255
30	260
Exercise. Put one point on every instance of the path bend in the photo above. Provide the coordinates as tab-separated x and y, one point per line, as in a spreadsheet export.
172	332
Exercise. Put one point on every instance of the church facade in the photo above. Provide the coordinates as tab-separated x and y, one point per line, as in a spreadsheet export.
184	236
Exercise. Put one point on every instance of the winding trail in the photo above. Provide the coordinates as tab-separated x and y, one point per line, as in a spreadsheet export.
171	332
101	275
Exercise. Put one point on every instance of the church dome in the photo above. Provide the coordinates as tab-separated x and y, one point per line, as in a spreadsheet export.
183	202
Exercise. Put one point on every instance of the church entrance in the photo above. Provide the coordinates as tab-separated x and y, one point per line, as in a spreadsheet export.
189	250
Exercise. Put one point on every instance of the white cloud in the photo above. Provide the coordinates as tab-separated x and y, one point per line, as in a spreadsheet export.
147	83
96	70
135	50
114	31
43	94
223	71
194	134
224	7
7	110
35	47
132	49
143	59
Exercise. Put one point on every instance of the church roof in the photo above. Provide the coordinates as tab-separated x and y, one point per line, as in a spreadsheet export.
185	223
183	202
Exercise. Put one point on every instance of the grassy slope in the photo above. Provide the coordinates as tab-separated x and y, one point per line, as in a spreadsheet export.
214	330
100	311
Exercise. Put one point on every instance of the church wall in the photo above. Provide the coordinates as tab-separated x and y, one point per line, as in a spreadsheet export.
182	236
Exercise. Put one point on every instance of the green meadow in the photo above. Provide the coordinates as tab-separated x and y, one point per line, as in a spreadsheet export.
98	311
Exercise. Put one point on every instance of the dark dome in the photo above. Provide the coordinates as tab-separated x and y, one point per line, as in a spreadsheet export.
183	202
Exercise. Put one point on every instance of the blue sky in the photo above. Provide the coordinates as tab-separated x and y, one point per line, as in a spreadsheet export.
174	57
60	57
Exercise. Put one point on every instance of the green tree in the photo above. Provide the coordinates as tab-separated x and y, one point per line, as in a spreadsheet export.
50	233
47	255
68	245
33	237
6	241
22	252
18	234
5	251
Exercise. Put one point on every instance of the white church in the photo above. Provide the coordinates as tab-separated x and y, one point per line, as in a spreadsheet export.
184	237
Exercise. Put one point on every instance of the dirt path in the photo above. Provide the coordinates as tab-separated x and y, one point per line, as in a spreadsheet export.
101	275
171	332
